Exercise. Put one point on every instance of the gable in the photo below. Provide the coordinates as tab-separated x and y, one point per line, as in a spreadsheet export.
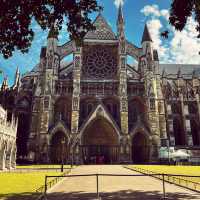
103	30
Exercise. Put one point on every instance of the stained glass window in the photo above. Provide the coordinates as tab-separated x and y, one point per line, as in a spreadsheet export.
100	62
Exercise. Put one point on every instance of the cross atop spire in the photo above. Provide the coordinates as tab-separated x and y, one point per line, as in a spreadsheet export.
146	35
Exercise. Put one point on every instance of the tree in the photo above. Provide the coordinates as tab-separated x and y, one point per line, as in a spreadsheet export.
16	18
180	11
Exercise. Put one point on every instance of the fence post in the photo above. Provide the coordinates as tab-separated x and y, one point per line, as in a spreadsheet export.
97	179
45	187
163	177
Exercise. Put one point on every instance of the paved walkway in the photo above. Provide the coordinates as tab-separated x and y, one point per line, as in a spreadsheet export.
129	188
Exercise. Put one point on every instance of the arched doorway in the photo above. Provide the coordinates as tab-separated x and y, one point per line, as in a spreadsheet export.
140	148
100	143
59	148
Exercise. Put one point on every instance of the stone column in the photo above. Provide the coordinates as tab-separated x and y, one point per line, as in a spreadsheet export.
125	146
76	90
152	113
8	157
183	119
161	110
76	98
13	156
2	157
123	88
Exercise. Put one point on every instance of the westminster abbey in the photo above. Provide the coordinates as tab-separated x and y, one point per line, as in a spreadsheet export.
98	107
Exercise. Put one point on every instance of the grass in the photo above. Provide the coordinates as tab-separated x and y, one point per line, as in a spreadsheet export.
175	170
182	170
21	186
40	166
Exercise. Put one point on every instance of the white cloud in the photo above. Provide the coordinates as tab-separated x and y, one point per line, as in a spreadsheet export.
181	47
151	10
118	2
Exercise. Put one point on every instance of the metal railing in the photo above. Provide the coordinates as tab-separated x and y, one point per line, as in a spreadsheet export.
180	180
97	180
49	184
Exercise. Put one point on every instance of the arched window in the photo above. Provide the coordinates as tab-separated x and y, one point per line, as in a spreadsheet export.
195	132
176	108
178	132
113	107
192	108
86	107
136	110
109	107
89	108
62	111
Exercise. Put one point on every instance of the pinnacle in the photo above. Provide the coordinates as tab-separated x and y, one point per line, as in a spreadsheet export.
146	35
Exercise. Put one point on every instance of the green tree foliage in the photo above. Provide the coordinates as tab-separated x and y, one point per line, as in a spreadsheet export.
16	17
181	10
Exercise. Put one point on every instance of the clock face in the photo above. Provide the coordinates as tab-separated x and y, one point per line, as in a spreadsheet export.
100	62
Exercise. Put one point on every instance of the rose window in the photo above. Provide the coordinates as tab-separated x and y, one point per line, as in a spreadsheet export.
100	63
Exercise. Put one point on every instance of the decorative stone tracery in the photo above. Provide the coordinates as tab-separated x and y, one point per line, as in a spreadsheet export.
99	62
8	132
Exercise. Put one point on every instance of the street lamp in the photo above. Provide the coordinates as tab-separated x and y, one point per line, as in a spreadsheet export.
62	165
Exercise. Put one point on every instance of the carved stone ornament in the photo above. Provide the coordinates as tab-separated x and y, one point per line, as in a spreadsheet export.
77	61
75	103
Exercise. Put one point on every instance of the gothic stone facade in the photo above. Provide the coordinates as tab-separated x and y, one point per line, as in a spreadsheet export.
99	108
8	131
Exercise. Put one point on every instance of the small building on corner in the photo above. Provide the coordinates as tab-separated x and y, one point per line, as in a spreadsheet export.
8	131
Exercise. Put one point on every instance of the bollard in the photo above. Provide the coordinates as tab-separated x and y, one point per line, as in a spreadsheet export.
163	177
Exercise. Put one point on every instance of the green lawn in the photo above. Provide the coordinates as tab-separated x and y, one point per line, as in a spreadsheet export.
175	170
40	166
21	186
182	170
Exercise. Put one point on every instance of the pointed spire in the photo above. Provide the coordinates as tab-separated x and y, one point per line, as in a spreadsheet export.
4	85
120	15
17	77
17	72
53	32
120	23
146	35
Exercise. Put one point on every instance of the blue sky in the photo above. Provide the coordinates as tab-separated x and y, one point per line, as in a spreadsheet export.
136	14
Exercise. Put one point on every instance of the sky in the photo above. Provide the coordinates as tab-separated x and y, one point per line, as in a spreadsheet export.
181	47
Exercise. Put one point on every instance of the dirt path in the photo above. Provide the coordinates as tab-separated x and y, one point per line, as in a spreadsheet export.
136	188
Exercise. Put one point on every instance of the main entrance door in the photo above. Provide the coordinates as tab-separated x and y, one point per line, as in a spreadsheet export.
140	149
100	144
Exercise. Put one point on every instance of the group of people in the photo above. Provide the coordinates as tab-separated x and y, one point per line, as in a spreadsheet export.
95	160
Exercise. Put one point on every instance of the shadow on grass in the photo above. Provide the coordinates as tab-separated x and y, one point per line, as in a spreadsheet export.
21	196
123	194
